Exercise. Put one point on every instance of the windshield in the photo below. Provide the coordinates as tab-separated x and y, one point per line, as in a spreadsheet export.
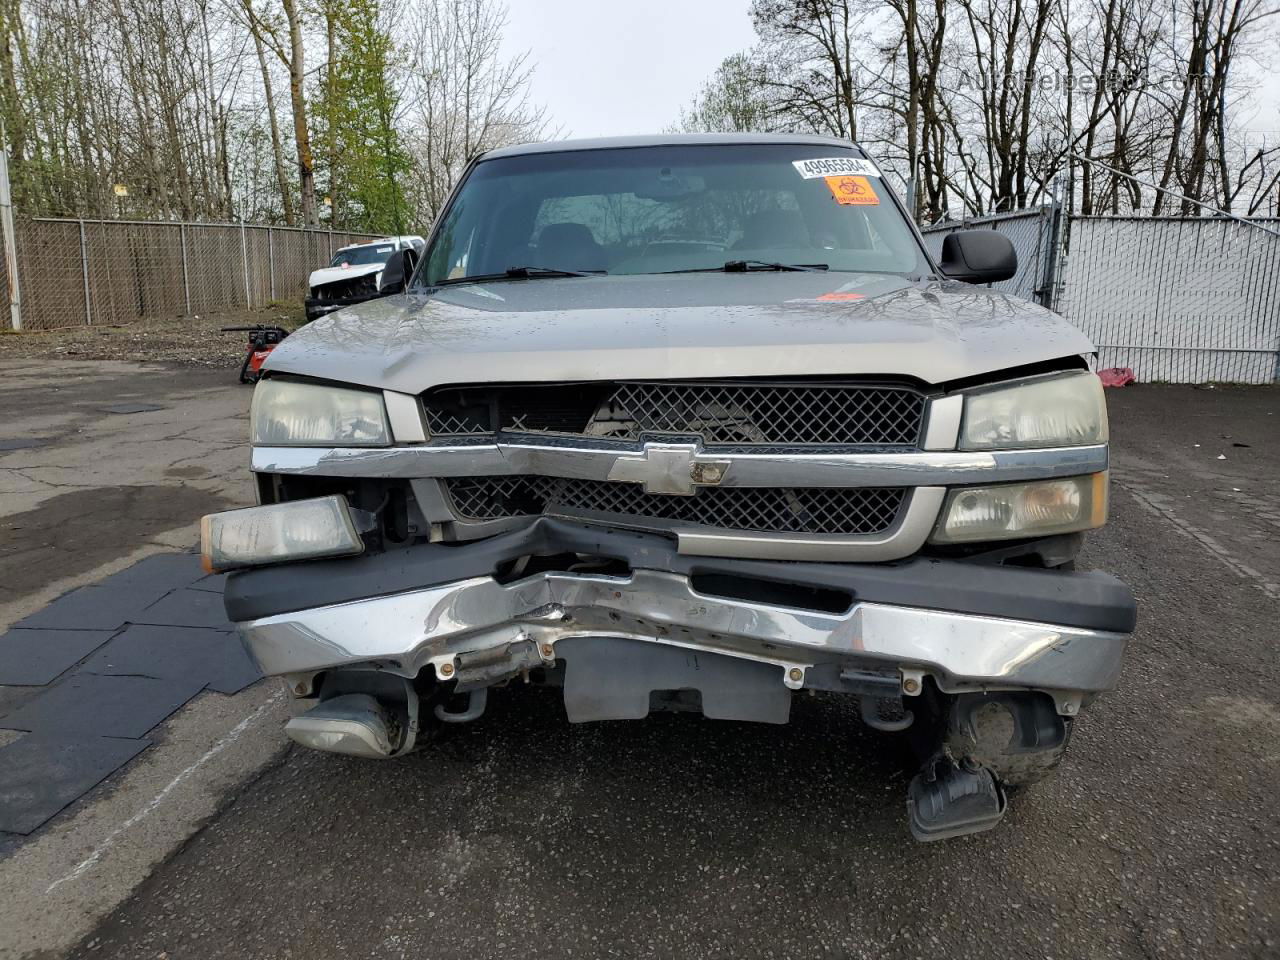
674	208
359	256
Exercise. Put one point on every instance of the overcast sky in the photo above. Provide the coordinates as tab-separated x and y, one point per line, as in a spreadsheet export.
605	67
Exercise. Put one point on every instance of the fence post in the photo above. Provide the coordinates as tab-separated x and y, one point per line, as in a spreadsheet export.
10	238
186	282
271	262
84	276
1052	250
244	255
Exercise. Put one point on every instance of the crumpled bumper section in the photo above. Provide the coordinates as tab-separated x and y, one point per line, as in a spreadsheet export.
968	626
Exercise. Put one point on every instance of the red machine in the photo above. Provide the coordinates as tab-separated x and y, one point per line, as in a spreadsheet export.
262	340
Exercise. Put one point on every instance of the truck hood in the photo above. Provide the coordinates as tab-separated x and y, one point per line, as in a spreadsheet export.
330	274
682	326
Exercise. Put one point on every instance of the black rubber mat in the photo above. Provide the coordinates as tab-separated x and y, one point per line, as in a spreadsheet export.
90	608
42	773
88	676
37	657
86	704
177	653
187	608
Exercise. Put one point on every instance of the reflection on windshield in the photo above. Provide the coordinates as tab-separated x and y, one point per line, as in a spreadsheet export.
666	209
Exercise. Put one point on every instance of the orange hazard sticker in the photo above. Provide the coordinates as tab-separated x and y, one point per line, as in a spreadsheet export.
840	295
852	190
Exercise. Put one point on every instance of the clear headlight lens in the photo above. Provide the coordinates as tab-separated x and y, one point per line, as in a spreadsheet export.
286	413
298	530
1065	411
1014	510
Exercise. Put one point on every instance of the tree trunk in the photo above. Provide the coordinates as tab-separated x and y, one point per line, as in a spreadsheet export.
282	172
330	107
301	134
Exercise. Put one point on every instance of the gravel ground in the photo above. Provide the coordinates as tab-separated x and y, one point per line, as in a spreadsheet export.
523	836
196	341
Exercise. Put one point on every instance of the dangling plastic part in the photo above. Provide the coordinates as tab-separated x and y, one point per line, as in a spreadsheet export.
946	801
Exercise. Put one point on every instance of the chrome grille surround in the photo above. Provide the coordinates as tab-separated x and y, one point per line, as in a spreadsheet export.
718	413
847	511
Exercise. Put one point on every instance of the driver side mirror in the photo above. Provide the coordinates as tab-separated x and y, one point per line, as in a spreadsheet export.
978	256
396	274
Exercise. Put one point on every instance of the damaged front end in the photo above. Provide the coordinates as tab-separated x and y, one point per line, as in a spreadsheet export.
327	297
981	667
408	557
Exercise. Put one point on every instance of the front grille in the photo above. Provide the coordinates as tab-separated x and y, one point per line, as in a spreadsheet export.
721	414
848	511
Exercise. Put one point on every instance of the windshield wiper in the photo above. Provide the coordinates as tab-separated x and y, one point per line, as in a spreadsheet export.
746	266
522	273
751	266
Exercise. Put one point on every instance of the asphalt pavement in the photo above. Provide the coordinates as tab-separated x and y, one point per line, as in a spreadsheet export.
523	836
105	468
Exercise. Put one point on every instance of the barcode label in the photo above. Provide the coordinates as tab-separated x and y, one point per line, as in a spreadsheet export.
835	166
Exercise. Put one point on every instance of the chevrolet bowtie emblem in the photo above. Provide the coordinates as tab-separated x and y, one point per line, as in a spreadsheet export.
670	468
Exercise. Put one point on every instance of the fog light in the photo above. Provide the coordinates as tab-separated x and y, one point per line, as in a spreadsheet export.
1015	510
299	530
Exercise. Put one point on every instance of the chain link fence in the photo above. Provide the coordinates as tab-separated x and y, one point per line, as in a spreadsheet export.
1177	299
1185	300
1181	299
74	272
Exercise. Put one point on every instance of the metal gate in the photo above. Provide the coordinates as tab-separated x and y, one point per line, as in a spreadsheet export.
1179	299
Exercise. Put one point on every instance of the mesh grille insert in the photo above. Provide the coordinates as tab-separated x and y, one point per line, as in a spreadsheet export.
848	511
762	414
719	413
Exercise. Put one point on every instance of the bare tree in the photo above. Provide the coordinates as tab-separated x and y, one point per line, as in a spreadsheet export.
734	100
815	68
277	153
468	97
981	105
291	52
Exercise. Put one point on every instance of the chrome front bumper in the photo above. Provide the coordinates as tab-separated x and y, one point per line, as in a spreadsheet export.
443	627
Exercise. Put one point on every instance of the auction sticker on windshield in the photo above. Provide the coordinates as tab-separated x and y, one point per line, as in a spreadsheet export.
854	191
836	167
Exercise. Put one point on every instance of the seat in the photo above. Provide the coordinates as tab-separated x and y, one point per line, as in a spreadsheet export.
569	246
773	228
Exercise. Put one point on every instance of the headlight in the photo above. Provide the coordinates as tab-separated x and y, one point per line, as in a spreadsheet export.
1014	510
286	413
1066	411
298	530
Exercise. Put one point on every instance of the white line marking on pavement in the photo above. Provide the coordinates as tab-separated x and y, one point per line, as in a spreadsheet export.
236	732
1269	588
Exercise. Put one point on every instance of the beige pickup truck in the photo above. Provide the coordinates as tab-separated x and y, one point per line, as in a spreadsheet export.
687	423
